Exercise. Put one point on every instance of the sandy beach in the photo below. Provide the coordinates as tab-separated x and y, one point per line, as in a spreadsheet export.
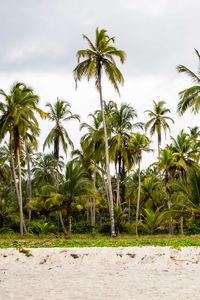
101	273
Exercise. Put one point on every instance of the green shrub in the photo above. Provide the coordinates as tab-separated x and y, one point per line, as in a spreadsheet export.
104	228
193	227
39	226
81	227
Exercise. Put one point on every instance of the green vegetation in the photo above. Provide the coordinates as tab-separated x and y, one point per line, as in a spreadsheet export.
49	194
91	240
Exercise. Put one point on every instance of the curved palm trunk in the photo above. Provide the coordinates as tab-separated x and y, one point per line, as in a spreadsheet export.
18	191
138	199
111	205
22	222
62	222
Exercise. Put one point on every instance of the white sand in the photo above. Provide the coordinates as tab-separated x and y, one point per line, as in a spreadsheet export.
101	273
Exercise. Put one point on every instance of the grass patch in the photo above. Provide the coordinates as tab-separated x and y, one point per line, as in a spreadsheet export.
96	240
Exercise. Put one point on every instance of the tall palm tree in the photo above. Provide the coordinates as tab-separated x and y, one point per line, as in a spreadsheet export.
93	148
167	166
17	117
92	62
138	143
158	121
31	145
59	112
121	123
184	154
190	97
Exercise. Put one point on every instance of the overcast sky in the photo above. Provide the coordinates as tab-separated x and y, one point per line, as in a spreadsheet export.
40	38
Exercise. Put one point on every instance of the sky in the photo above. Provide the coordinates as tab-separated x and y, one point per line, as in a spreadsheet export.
40	38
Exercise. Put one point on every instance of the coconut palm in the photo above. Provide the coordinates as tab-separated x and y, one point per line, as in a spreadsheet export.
76	185
150	191
154	220
59	112
194	136
93	148
17	117
158	121
190	97
167	167
45	170
184	154
121	122
137	144
92	62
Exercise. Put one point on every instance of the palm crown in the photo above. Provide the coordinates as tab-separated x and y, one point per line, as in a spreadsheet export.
100	55
58	112
158	120
190	97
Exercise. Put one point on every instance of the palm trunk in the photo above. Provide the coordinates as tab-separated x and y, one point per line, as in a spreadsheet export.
129	210
29	185
118	201
181	225
93	216
118	190
138	199
111	205
169	206
22	223
62	222
160	175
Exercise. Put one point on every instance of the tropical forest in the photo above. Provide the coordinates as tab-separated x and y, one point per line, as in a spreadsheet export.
100	187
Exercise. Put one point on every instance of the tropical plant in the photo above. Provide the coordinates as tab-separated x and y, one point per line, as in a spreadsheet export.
97	58
121	123
137	144
190	97
154	220
17	117
45	169
59	112
76	185
158	121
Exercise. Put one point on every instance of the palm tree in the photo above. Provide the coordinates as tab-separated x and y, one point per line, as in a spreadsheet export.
121	123
158	121
93	149
45	170
184	154
17	118
194	136
150	191
31	145
76	185
97	58
154	220
137	144
190	97
59	112
167	167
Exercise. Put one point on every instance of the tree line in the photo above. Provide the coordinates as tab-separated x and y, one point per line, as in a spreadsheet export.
41	193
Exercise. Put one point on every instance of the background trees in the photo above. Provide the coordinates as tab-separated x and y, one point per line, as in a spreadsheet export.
17	119
70	193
